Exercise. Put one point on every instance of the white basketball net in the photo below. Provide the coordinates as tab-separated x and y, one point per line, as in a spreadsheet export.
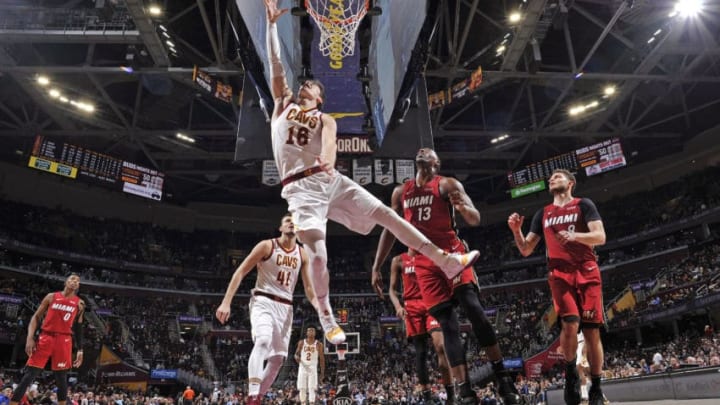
338	21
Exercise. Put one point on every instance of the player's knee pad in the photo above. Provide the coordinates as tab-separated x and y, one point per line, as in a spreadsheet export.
483	329
263	343
571	319
62	386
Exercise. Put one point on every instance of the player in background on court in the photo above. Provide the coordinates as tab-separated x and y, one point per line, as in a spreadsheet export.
418	324
62	324
429	202
305	148
279	261
310	352
572	228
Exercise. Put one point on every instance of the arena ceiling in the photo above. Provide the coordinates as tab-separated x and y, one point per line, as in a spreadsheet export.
559	55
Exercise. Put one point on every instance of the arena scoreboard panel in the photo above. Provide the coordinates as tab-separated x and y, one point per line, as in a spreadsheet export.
77	162
594	159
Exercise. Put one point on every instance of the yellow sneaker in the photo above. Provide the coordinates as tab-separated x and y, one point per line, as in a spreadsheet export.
457	262
335	335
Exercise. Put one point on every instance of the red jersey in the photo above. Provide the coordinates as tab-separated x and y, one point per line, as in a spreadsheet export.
572	217
411	289
61	314
429	212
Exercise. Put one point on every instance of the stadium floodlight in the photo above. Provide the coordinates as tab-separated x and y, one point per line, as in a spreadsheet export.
54	93
154	10
43	80
500	49
609	90
515	17
687	8
170	44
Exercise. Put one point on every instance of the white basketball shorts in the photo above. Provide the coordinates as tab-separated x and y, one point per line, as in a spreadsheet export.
268	317
307	378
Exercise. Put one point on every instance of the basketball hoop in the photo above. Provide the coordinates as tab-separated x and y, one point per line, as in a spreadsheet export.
337	25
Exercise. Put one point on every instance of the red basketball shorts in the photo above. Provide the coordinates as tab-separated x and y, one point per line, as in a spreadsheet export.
435	287
418	320
578	292
52	346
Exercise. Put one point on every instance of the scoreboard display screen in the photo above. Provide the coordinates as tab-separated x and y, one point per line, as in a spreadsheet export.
537	171
86	165
601	157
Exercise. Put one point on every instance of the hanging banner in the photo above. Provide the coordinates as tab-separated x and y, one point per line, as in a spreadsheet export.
212	86
384	171
270	174
108	357
404	170
362	171
343	166
543	361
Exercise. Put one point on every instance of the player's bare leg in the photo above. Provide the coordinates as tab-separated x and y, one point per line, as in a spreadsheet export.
439	344
452	264
270	373
314	241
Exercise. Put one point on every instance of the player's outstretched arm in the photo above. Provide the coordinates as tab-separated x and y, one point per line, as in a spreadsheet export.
525	244
387	240
259	252
280	89
34	322
79	334
395	275
461	201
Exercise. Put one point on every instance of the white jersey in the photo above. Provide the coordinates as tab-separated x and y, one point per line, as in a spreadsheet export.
296	139
309	354
278	274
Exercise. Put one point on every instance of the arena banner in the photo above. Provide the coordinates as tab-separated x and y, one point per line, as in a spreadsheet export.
354	145
189	319
270	174
343	166
108	357
133	386
384	172
362	171
543	361
11	299
122	373
163	374
344	98
627	301
404	170
103	311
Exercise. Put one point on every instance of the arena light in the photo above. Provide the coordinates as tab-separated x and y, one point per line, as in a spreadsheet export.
609	90
162	27
184	137
64	99
165	34
170	44
499	138
43	80
577	109
500	49
651	40
54	93
515	17
687	8
154	10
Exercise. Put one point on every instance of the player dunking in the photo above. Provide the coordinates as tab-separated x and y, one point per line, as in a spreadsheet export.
63	312
310	352
304	147
279	262
572	228
430	202
418	324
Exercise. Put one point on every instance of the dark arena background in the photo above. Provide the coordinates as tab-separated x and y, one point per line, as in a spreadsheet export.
135	152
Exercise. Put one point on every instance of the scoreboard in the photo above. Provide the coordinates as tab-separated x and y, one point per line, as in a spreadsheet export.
86	165
537	171
601	157
594	159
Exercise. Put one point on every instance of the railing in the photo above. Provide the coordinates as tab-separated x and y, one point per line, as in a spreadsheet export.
61	19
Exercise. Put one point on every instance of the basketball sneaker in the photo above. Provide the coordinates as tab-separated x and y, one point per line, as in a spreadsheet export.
597	397
455	263
572	390
333	333
507	390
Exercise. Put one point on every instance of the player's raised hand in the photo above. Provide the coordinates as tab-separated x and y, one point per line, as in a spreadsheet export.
223	313
515	221
377	283
272	11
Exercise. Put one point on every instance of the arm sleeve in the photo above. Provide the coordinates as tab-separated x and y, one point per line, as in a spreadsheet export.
78	335
536	224
589	210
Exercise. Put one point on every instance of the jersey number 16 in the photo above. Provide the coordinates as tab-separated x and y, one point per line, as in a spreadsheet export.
300	134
